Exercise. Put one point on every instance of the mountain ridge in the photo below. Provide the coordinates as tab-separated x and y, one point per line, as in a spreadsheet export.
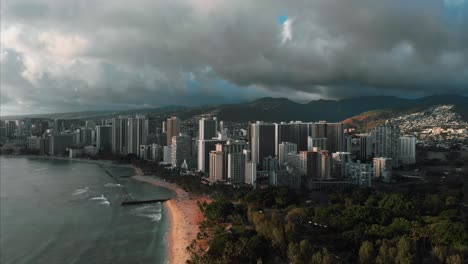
283	109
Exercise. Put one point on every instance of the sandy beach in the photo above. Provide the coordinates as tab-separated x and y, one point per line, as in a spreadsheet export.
184	216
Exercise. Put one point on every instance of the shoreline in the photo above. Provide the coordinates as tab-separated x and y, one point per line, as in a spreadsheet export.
99	162
184	218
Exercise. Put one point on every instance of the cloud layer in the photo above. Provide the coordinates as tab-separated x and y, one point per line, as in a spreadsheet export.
75	55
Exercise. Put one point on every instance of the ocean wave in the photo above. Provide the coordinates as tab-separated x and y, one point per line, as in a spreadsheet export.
102	197
113	185
106	202
153	217
147	209
41	169
80	191
152	212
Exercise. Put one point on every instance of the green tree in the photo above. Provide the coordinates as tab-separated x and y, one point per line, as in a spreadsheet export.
439	252
366	253
321	257
404	255
387	253
454	259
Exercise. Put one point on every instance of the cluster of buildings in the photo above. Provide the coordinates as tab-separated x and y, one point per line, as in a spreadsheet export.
295	154
302	155
438	126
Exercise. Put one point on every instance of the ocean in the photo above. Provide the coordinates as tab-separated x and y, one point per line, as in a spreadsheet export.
62	211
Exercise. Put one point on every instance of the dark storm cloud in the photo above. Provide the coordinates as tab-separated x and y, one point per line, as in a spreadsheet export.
59	55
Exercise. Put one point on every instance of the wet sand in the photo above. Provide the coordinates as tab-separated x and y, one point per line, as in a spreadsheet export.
184	217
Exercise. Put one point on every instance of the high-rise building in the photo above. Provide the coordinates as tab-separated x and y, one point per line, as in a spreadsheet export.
386	142
167	154
207	128
293	132
339	160
62	125
104	138
217	166
262	141
325	164
365	147
359	173
383	168
85	136
204	149
236	167
137	133
308	164
319	130
11	128
44	146
270	164
164	127
58	143
348	143
335	137
173	128
334	132
120	135
250	173
319	143
145	152
181	146
157	152
233	147
407	149
283	150
33	143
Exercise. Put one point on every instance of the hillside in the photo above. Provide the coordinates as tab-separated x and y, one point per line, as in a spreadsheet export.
281	109
409	120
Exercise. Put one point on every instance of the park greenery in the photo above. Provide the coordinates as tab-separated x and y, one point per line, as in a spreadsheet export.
360	226
276	225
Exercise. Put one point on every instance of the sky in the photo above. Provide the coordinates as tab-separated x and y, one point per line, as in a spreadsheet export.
75	55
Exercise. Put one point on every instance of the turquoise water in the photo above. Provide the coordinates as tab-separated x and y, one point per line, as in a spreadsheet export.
59	211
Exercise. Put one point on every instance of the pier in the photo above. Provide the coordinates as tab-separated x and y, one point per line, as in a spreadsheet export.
136	202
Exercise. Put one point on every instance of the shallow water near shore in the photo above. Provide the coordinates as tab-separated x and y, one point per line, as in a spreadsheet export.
59	211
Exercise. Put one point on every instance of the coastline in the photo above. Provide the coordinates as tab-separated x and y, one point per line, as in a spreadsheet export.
99	162
184	218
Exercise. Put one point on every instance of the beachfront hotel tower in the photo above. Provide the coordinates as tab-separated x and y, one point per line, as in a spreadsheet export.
172	128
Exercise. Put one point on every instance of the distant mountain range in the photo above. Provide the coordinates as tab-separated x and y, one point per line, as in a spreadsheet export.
281	109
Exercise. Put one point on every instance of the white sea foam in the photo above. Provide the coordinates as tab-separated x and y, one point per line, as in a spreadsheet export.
106	202
147	209
81	191
102	197
153	217
113	185
153	212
